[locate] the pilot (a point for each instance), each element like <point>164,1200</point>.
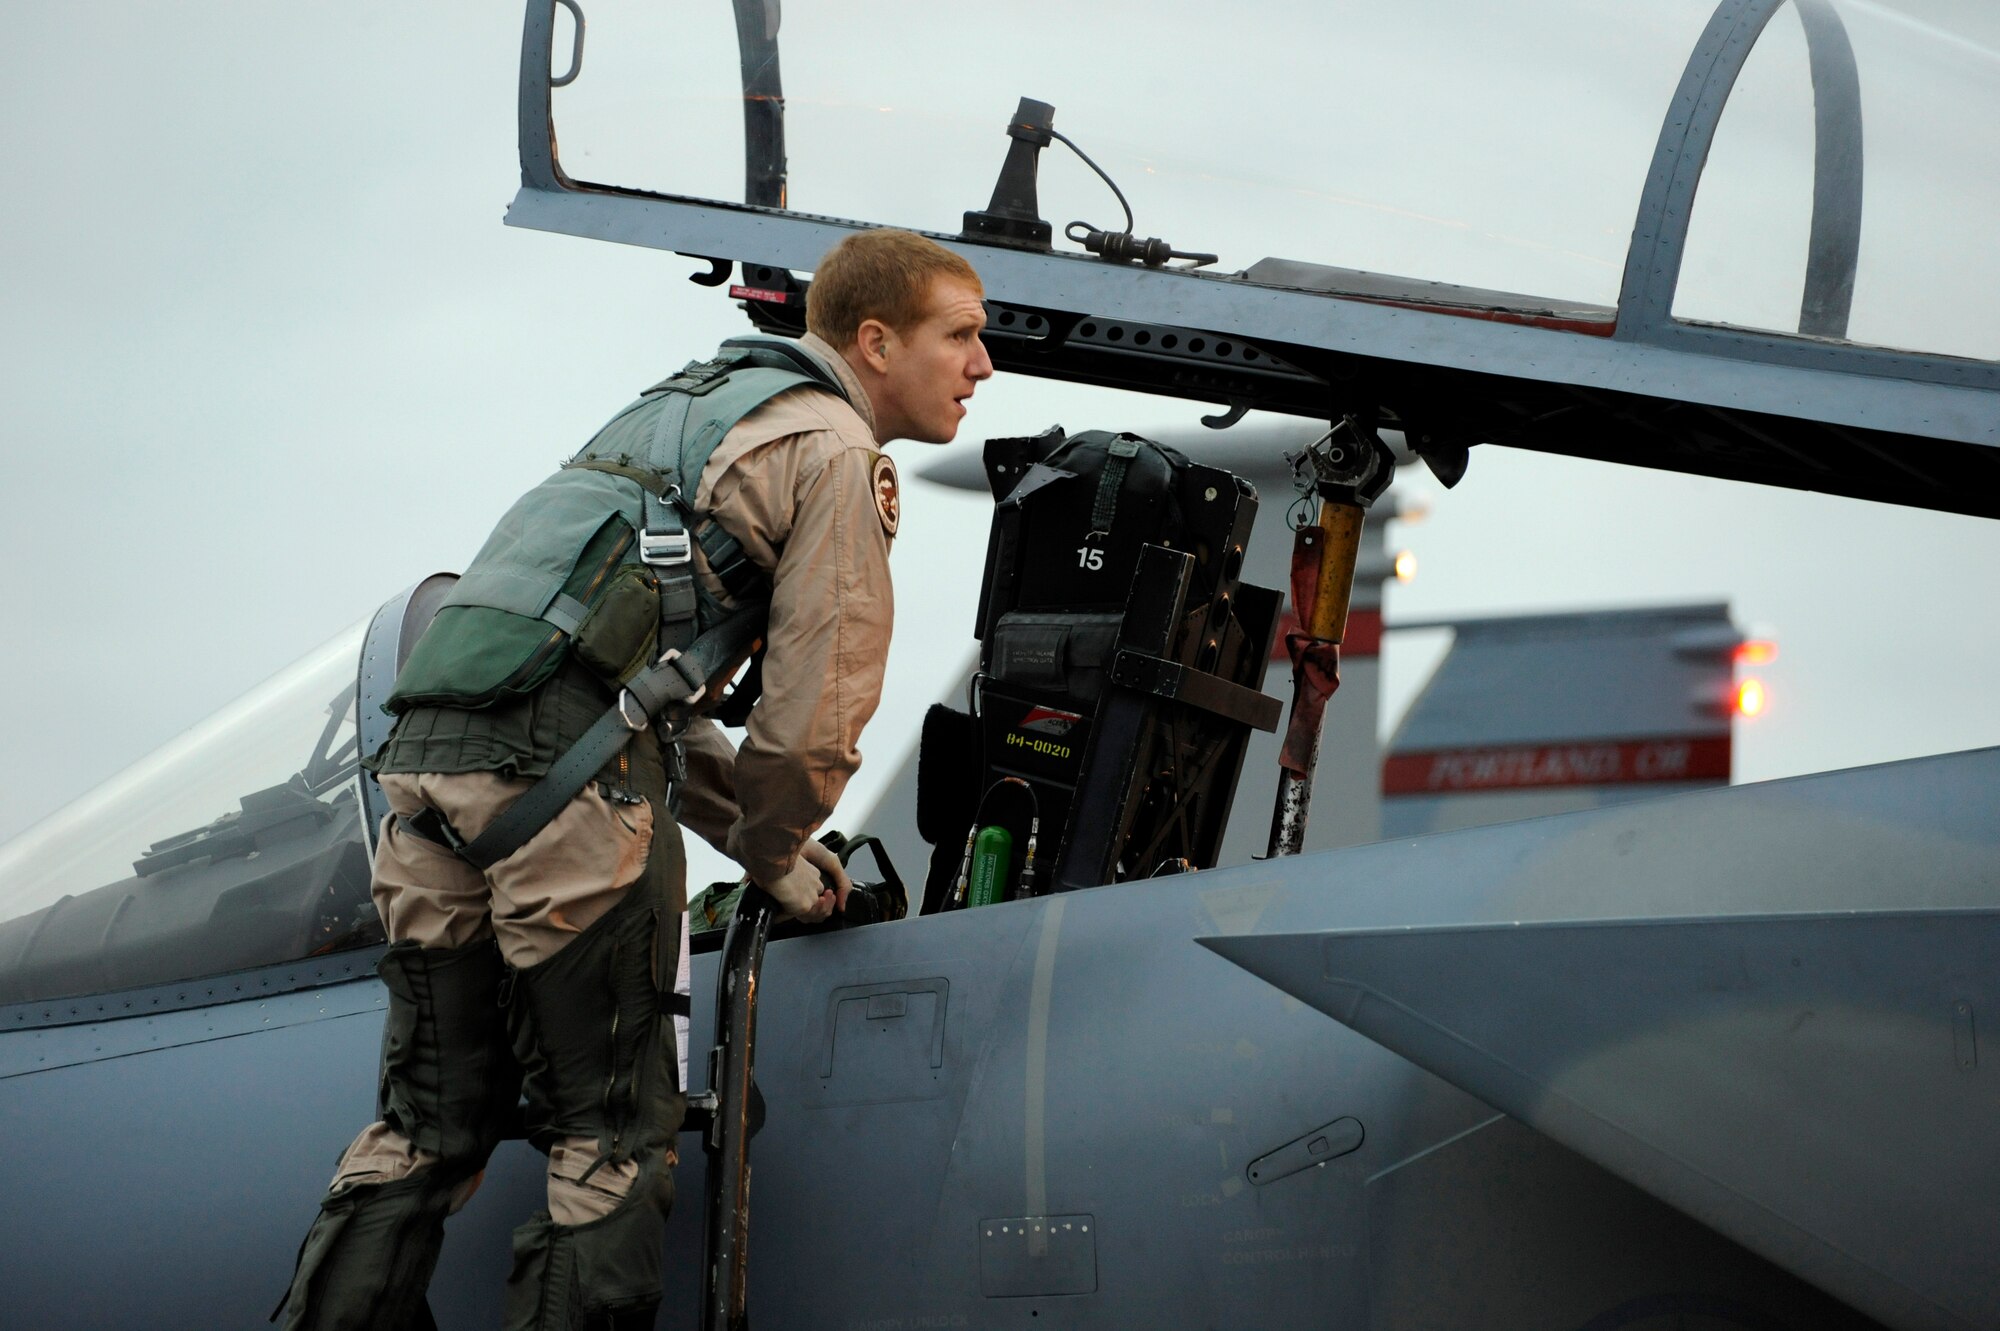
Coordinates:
<point>549,963</point>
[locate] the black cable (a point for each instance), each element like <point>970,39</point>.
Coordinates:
<point>1122,246</point>
<point>1066,142</point>
<point>1027,879</point>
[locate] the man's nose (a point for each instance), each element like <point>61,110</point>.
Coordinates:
<point>982,364</point>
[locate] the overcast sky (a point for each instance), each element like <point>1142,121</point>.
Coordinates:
<point>269,355</point>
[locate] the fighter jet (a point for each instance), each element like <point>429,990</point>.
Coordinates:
<point>1707,1060</point>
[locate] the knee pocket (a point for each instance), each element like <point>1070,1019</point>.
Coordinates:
<point>564,1275</point>
<point>368,1256</point>
<point>584,1186</point>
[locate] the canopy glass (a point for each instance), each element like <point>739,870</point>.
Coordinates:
<point>237,844</point>
<point>1496,147</point>
<point>1925,275</point>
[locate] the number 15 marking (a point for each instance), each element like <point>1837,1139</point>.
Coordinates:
<point>1087,557</point>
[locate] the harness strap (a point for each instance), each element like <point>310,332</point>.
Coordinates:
<point>663,538</point>
<point>566,613</point>
<point>664,544</point>
<point>676,679</point>
<point>734,711</point>
<point>739,574</point>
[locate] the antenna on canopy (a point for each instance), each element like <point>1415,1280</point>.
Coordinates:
<point>1014,217</point>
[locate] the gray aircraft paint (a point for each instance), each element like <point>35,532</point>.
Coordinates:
<point>1759,1003</point>
<point>1165,1074</point>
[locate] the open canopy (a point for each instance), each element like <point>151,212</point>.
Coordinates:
<point>1741,242</point>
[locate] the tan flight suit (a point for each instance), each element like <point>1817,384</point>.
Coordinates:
<point>802,484</point>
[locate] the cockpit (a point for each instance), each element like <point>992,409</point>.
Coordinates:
<point>238,844</point>
<point>243,843</point>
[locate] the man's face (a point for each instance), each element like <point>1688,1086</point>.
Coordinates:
<point>926,371</point>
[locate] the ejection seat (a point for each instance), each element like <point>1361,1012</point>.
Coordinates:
<point>1117,684</point>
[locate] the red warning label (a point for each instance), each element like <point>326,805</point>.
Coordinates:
<point>1048,721</point>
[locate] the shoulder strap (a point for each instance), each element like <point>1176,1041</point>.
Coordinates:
<point>691,426</point>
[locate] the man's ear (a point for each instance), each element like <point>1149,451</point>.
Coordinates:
<point>871,343</point>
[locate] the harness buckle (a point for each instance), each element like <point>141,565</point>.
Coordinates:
<point>665,549</point>
<point>700,686</point>
<point>625,712</point>
<point>630,704</point>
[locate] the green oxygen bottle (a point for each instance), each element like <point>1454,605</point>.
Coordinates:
<point>992,856</point>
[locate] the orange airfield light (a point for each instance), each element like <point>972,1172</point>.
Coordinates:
<point>1756,651</point>
<point>1750,697</point>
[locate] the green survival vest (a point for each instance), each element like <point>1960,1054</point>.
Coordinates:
<point>598,558</point>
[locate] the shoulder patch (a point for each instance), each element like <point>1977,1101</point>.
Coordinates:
<point>888,502</point>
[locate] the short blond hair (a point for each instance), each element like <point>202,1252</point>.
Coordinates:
<point>884,275</point>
